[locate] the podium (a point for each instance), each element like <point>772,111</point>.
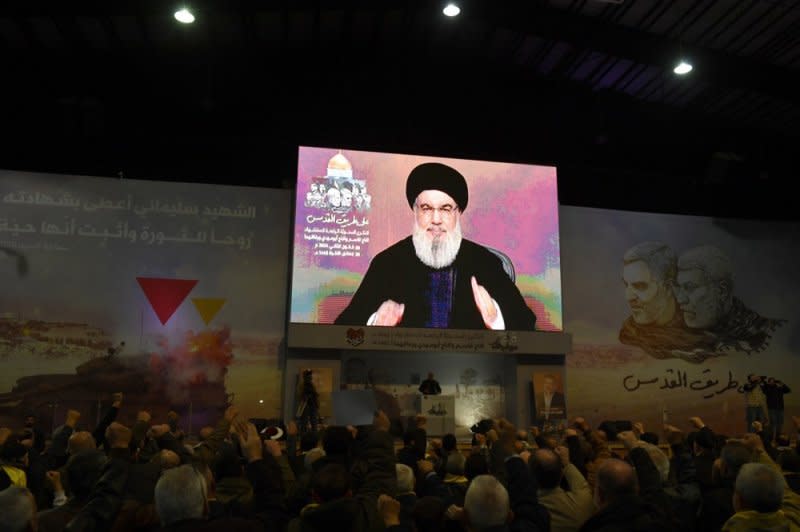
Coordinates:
<point>440,412</point>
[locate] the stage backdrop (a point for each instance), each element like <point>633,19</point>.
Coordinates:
<point>645,349</point>
<point>478,383</point>
<point>170,292</point>
<point>351,205</point>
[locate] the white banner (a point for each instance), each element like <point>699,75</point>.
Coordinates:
<point>310,335</point>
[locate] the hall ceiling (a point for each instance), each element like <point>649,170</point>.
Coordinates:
<point>107,87</point>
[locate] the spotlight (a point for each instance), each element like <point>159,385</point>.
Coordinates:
<point>184,15</point>
<point>451,10</point>
<point>682,68</point>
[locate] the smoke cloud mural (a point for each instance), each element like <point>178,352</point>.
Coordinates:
<point>671,314</point>
<point>168,292</point>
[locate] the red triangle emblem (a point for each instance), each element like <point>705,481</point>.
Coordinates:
<point>165,295</point>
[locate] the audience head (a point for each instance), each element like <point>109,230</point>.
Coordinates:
<point>609,430</point>
<point>308,441</point>
<point>782,440</point>
<point>649,437</point>
<point>206,432</point>
<point>615,479</point>
<point>546,467</point>
<point>486,503</point>
<point>118,435</point>
<point>330,483</point>
<point>428,514</point>
<point>732,457</point>
<point>702,442</point>
<point>409,437</point>
<point>475,465</point>
<point>789,462</point>
<point>337,441</point>
<point>449,442</point>
<point>181,494</point>
<point>83,469</point>
<point>168,459</point>
<point>81,441</point>
<point>405,478</point>
<point>18,510</point>
<point>759,487</point>
<point>14,453</point>
<point>454,464</point>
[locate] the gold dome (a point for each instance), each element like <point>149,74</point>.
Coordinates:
<point>339,162</point>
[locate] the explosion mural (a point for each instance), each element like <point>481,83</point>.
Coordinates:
<point>200,358</point>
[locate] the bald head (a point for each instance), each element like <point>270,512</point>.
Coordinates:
<point>546,466</point>
<point>81,441</point>
<point>206,432</point>
<point>615,479</point>
<point>168,459</point>
<point>18,510</point>
<point>118,436</point>
<point>486,503</point>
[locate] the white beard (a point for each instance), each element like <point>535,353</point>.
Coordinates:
<point>439,252</point>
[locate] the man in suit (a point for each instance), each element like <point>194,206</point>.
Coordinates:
<point>430,386</point>
<point>550,402</point>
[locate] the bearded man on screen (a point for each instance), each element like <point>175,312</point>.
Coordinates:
<point>436,278</point>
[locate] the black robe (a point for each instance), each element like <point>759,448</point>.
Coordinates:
<point>397,274</point>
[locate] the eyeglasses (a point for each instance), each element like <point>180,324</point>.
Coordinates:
<point>446,211</point>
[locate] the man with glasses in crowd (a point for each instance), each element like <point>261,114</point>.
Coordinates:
<point>436,278</point>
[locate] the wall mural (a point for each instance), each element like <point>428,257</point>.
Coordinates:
<point>673,313</point>
<point>157,290</point>
<point>684,307</point>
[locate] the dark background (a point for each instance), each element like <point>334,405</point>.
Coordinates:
<point>121,89</point>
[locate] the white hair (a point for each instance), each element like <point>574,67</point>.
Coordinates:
<point>405,478</point>
<point>760,488</point>
<point>439,252</point>
<point>486,503</point>
<point>180,494</point>
<point>659,459</point>
<point>17,508</point>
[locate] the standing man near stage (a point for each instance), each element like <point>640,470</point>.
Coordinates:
<point>430,386</point>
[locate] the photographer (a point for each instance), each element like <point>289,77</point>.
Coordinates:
<point>775,390</point>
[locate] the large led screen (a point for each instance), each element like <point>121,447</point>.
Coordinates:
<point>428,242</point>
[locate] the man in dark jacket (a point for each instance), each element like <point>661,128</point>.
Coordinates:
<point>82,470</point>
<point>619,506</point>
<point>337,506</point>
<point>775,390</point>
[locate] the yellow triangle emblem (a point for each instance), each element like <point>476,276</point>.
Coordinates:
<point>208,307</point>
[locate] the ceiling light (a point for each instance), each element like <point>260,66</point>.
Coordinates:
<point>451,10</point>
<point>184,15</point>
<point>682,68</point>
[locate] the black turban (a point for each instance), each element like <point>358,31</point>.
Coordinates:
<point>437,176</point>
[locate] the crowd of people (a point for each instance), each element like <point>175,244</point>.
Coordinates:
<point>152,476</point>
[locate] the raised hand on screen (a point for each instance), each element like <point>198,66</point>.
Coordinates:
<point>484,302</point>
<point>389,314</point>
